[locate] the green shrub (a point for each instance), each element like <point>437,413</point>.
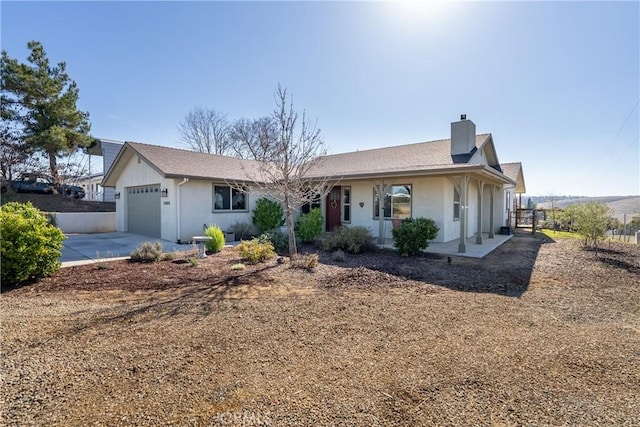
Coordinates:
<point>358,239</point>
<point>280,240</point>
<point>354,240</point>
<point>147,252</point>
<point>256,250</point>
<point>339,256</point>
<point>306,261</point>
<point>267,215</point>
<point>413,235</point>
<point>310,226</point>
<point>169,256</point>
<point>217,239</point>
<point>30,246</point>
<point>592,220</point>
<point>243,230</point>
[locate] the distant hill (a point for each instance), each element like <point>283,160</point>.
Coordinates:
<point>621,205</point>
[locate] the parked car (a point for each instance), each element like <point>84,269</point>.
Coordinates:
<point>32,184</point>
<point>75,191</point>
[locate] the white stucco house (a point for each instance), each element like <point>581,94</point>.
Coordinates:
<point>458,182</point>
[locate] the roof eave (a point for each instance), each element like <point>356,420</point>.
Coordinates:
<point>423,172</point>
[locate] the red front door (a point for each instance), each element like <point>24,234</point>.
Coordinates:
<point>333,208</point>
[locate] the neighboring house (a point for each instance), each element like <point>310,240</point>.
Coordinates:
<point>458,182</point>
<point>92,183</point>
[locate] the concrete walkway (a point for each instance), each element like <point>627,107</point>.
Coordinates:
<point>80,249</point>
<point>473,250</point>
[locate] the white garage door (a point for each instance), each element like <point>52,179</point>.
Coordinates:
<point>143,210</point>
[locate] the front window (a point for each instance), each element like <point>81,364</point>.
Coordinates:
<point>456,204</point>
<point>397,202</point>
<point>346,204</point>
<point>227,198</point>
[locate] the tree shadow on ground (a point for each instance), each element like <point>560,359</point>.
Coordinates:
<point>615,258</point>
<point>188,297</point>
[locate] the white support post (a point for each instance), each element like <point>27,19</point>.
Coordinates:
<point>480,199</point>
<point>462,247</point>
<point>492,226</point>
<point>381,190</point>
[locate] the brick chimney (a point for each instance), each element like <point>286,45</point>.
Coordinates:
<point>463,136</point>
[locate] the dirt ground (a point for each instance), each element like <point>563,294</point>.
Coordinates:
<point>536,333</point>
<point>59,203</point>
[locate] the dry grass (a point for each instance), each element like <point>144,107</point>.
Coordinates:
<point>554,339</point>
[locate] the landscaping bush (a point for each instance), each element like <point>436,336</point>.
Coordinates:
<point>147,252</point>
<point>169,256</point>
<point>354,240</point>
<point>267,215</point>
<point>30,246</point>
<point>310,226</point>
<point>413,235</point>
<point>280,241</point>
<point>339,256</point>
<point>256,250</point>
<point>592,220</point>
<point>358,239</point>
<point>306,261</point>
<point>217,239</point>
<point>243,230</point>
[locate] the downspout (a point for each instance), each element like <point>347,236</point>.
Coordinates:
<point>184,181</point>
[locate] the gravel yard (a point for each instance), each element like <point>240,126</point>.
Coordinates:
<point>536,333</point>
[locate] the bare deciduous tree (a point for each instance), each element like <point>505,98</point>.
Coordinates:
<point>206,131</point>
<point>552,199</point>
<point>14,152</point>
<point>287,151</point>
<point>252,138</point>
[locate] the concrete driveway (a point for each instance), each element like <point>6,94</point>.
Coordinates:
<point>83,248</point>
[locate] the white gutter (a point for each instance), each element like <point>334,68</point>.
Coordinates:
<point>184,181</point>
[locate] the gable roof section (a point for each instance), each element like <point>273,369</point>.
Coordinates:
<point>429,155</point>
<point>514,172</point>
<point>177,163</point>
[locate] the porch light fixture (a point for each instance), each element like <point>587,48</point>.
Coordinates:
<point>164,192</point>
<point>117,195</point>
<point>361,204</point>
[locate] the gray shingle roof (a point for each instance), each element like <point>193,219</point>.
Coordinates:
<point>514,171</point>
<point>409,158</point>
<point>174,162</point>
<point>419,156</point>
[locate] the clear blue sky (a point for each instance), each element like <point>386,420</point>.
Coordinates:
<point>557,84</point>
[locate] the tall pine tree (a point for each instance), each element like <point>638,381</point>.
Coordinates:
<point>42,99</point>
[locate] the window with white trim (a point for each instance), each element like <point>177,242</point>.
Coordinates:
<point>226,198</point>
<point>346,204</point>
<point>397,202</point>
